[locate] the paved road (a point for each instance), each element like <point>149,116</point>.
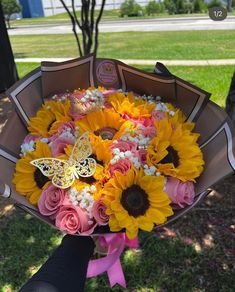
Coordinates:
<point>162,24</point>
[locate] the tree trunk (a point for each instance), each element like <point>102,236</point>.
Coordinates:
<point>87,23</point>
<point>8,22</point>
<point>230,100</point>
<point>8,71</point>
<point>229,5</point>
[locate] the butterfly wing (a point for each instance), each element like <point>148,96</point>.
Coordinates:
<point>49,166</point>
<point>64,178</point>
<point>60,171</point>
<point>82,148</point>
<point>86,167</point>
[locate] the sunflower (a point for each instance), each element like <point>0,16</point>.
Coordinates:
<point>28,179</point>
<point>128,105</point>
<point>104,126</point>
<point>175,152</point>
<point>136,201</point>
<point>49,117</point>
<point>179,118</point>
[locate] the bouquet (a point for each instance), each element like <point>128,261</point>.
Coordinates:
<point>95,157</point>
<point>95,146</point>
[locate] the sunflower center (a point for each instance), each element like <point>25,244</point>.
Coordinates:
<point>171,157</point>
<point>135,200</point>
<point>106,133</point>
<point>88,180</point>
<point>40,179</point>
<point>98,161</point>
<point>51,123</point>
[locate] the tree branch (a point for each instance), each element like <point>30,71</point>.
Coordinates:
<point>73,26</point>
<point>92,17</point>
<point>87,24</point>
<point>96,26</point>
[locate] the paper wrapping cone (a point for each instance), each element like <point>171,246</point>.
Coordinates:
<point>215,128</point>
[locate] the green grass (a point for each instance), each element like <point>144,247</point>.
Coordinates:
<point>177,259</point>
<point>214,79</point>
<point>190,45</point>
<point>25,243</point>
<point>62,18</point>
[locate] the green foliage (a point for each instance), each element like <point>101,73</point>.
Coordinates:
<point>184,45</point>
<point>199,6</point>
<point>215,3</point>
<point>170,6</point>
<point>10,7</point>
<point>130,8</point>
<point>181,6</point>
<point>154,7</point>
<point>185,6</point>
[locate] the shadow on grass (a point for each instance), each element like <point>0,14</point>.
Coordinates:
<point>20,55</point>
<point>25,243</point>
<point>169,264</point>
<point>194,254</point>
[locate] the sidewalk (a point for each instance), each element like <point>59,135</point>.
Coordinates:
<point>142,62</point>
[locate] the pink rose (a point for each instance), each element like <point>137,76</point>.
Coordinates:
<point>107,104</point>
<point>122,166</point>
<point>62,130</point>
<point>72,219</point>
<point>67,125</point>
<point>124,146</point>
<point>107,92</point>
<point>59,144</point>
<point>146,122</point>
<point>77,95</point>
<point>30,138</point>
<point>50,201</point>
<point>149,132</point>
<point>77,111</point>
<point>159,115</point>
<point>143,156</point>
<point>180,193</point>
<point>99,214</point>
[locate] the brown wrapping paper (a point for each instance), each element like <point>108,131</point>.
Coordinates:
<point>217,140</point>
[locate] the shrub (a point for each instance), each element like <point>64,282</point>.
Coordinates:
<point>170,6</point>
<point>215,3</point>
<point>199,6</point>
<point>130,8</point>
<point>10,7</point>
<point>154,7</point>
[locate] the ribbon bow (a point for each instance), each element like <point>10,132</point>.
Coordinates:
<point>114,244</point>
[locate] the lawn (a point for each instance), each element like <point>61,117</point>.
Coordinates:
<point>215,79</point>
<point>195,254</point>
<point>183,45</point>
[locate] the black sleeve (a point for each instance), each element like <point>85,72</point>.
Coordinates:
<point>66,269</point>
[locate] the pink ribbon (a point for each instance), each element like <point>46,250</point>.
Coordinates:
<point>115,244</point>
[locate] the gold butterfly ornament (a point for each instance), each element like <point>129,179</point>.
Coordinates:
<point>64,172</point>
